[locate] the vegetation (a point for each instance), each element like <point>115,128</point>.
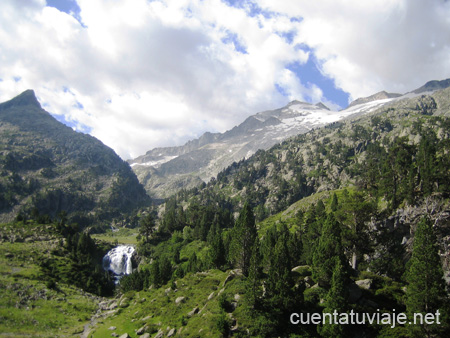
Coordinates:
<point>321,222</point>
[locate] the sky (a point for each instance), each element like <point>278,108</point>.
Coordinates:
<point>140,74</point>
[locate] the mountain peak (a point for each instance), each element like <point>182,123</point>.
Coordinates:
<point>27,98</point>
<point>375,97</point>
<point>432,86</point>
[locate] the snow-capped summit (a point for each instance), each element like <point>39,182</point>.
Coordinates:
<point>165,170</point>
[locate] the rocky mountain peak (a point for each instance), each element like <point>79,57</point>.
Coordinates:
<point>432,86</point>
<point>27,98</point>
<point>375,97</point>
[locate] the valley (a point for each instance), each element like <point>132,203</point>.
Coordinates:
<point>350,213</point>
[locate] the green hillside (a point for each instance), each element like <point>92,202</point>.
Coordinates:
<point>353,218</point>
<point>47,166</point>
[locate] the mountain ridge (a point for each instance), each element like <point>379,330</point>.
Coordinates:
<point>163,171</point>
<point>49,166</point>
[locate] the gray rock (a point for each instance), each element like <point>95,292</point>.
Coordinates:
<point>124,302</point>
<point>171,332</point>
<point>142,330</point>
<point>125,335</point>
<point>364,283</point>
<point>112,328</point>
<point>180,300</point>
<point>211,296</point>
<point>146,335</point>
<point>159,334</point>
<point>193,312</point>
<point>112,306</point>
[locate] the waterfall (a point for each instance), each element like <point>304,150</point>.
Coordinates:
<point>118,260</point>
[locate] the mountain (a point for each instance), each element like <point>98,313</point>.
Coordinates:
<point>431,86</point>
<point>375,97</point>
<point>339,213</point>
<point>49,167</point>
<point>164,171</point>
<point>352,217</point>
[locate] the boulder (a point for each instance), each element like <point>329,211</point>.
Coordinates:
<point>125,335</point>
<point>142,330</point>
<point>364,283</point>
<point>180,300</point>
<point>171,332</point>
<point>193,312</point>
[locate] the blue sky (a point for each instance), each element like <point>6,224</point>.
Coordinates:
<point>142,74</point>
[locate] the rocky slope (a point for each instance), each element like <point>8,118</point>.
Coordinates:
<point>46,165</point>
<point>164,171</point>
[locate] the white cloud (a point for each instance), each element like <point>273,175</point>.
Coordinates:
<point>139,74</point>
<point>368,46</point>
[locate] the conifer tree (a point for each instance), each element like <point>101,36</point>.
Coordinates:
<point>244,236</point>
<point>336,299</point>
<point>253,280</point>
<point>217,250</point>
<point>328,248</point>
<point>334,203</point>
<point>279,281</point>
<point>147,225</point>
<point>426,288</point>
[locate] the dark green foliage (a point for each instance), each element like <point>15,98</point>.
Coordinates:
<point>426,289</point>
<point>254,291</point>
<point>329,249</point>
<point>223,324</point>
<point>244,236</point>
<point>47,165</point>
<point>356,209</point>
<point>147,226</point>
<point>79,263</point>
<point>217,251</point>
<point>336,300</point>
<point>136,281</point>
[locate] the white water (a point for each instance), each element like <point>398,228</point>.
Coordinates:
<point>118,260</point>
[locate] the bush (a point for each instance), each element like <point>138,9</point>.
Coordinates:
<point>223,324</point>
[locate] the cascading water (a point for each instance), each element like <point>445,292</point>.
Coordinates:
<point>118,260</point>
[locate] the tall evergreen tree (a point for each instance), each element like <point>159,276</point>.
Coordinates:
<point>426,288</point>
<point>217,250</point>
<point>336,299</point>
<point>147,225</point>
<point>254,275</point>
<point>244,236</point>
<point>328,248</point>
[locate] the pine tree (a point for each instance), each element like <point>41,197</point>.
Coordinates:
<point>328,248</point>
<point>253,280</point>
<point>334,203</point>
<point>336,300</point>
<point>426,288</point>
<point>147,226</point>
<point>217,250</point>
<point>279,282</point>
<point>244,236</point>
